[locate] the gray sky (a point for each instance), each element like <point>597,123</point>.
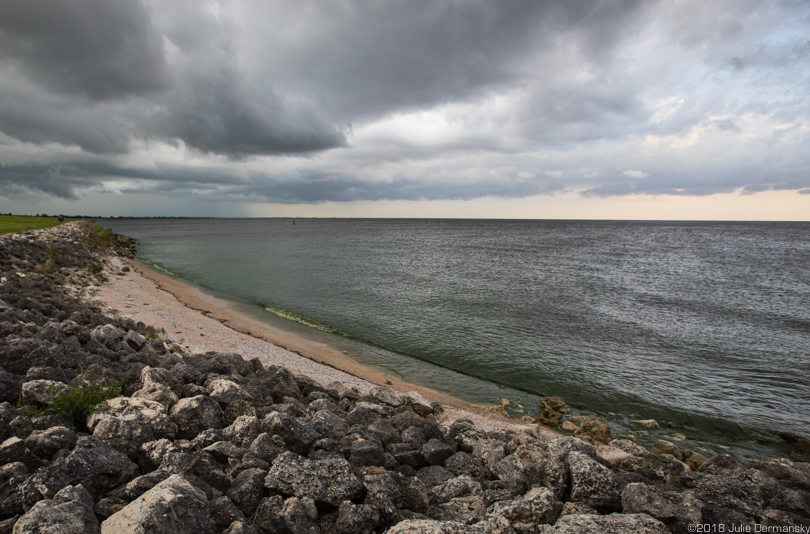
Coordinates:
<point>408,108</point>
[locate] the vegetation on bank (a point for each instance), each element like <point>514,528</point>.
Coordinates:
<point>22,223</point>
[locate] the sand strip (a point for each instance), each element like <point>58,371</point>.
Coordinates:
<point>202,322</point>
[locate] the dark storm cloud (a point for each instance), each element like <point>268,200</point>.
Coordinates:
<point>574,85</point>
<point>366,59</point>
<point>97,48</point>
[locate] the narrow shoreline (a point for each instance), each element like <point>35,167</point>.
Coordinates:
<point>203,322</point>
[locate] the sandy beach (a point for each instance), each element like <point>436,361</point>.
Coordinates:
<point>203,323</point>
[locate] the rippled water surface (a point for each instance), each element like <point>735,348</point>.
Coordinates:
<point>703,326</point>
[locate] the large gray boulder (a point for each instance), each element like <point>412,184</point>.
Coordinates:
<point>10,387</point>
<point>46,443</point>
<point>139,412</point>
<point>298,437</point>
<point>328,481</point>
<point>42,392</point>
<point>195,414</point>
<point>678,511</point>
<point>594,484</point>
<point>93,464</point>
<point>601,524</point>
<point>173,506</point>
<point>537,507</point>
<point>70,512</point>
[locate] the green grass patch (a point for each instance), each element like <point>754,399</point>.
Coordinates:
<point>94,269</point>
<point>82,400</point>
<point>98,236</point>
<point>21,223</point>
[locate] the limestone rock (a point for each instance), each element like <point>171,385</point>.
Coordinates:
<point>227,391</point>
<point>663,446</point>
<point>42,392</point>
<point>613,523</point>
<point>173,506</point>
<point>329,481</point>
<point>593,431</point>
<point>549,417</point>
<point>555,403</point>
<point>297,436</point>
<point>676,510</point>
<point>93,464</point>
<point>195,414</point>
<point>594,484</point>
<point>538,506</point>
<point>140,412</point>
<point>46,443</point>
<point>70,512</point>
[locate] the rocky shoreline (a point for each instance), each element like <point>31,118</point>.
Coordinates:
<point>210,443</point>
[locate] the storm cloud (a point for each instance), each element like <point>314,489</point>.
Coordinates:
<point>318,101</point>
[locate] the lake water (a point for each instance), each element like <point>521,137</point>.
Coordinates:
<point>703,326</point>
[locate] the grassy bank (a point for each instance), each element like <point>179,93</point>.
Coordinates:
<point>21,223</point>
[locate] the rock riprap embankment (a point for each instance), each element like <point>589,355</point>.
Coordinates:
<point>210,443</point>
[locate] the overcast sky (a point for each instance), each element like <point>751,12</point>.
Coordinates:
<point>504,108</point>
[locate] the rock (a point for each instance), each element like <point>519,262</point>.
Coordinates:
<point>42,392</point>
<point>240,527</point>
<point>139,412</point>
<point>11,476</point>
<point>646,423</point>
<point>663,446</point>
<point>328,481</point>
<point>227,391</point>
<point>124,435</point>
<point>594,484</point>
<point>460,486</point>
<point>436,452</point>
<point>387,396</point>
<point>70,512</point>
<point>14,450</point>
<point>224,513</point>
<point>555,403</point>
<point>157,393</point>
<point>678,511</point>
<point>569,426</point>
<point>46,443</point>
<point>152,454</point>
<point>297,436</point>
<point>195,414</point>
<point>549,417</point>
<point>93,464</point>
<point>613,524</point>
<point>593,431</point>
<point>538,506</point>
<point>356,519</point>
<point>247,490</point>
<point>134,340</point>
<point>801,450</point>
<point>418,404</point>
<point>328,423</point>
<point>693,459</point>
<point>108,336</point>
<point>10,387</point>
<point>366,452</point>
<point>140,485</point>
<point>294,516</point>
<point>173,506</point>
<point>430,526</point>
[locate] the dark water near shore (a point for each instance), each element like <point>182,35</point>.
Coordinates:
<point>703,326</point>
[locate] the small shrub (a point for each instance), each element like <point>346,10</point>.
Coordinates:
<point>94,269</point>
<point>82,400</point>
